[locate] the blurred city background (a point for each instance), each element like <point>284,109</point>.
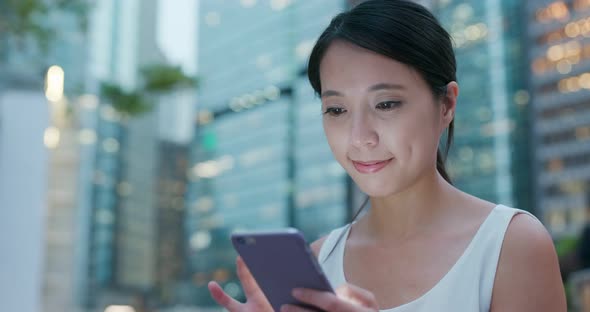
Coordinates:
<point>135,135</point>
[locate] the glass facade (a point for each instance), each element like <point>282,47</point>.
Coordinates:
<point>560,73</point>
<point>125,241</point>
<point>170,244</point>
<point>137,221</point>
<point>104,202</point>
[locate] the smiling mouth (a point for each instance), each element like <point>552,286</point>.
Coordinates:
<point>370,166</point>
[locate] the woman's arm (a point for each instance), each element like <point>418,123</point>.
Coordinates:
<point>528,277</point>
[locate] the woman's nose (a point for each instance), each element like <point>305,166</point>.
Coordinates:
<point>363,134</point>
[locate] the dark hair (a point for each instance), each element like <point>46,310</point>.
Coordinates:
<point>404,31</point>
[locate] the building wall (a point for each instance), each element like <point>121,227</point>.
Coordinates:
<point>24,117</point>
<point>23,68</point>
<point>60,235</point>
<point>136,214</point>
<point>114,35</point>
<point>559,83</point>
<point>125,228</point>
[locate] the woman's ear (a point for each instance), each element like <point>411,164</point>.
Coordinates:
<point>449,103</point>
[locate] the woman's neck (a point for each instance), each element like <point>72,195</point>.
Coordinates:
<point>412,211</point>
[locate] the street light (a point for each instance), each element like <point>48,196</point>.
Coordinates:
<point>119,308</point>
<point>54,83</point>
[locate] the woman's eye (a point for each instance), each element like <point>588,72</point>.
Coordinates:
<point>334,111</point>
<point>388,105</point>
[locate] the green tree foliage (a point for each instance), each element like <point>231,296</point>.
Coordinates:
<point>158,78</point>
<point>162,77</point>
<point>127,102</point>
<point>22,20</point>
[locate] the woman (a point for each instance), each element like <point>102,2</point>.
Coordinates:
<point>385,72</point>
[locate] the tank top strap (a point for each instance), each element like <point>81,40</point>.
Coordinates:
<point>332,253</point>
<point>331,241</point>
<point>488,248</point>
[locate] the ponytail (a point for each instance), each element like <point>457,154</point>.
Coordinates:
<point>440,157</point>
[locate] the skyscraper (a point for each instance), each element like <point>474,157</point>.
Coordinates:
<point>560,82</point>
<point>133,172</point>
<point>23,189</point>
<point>38,179</point>
<point>120,260</point>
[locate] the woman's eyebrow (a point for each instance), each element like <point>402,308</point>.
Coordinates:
<point>386,86</point>
<point>373,88</point>
<point>329,93</point>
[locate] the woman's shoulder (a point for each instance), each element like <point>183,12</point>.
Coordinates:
<point>528,269</point>
<point>316,246</point>
<point>526,236</point>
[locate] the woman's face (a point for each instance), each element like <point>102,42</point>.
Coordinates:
<point>380,118</point>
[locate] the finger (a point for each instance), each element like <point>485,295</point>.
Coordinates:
<point>251,288</point>
<point>294,308</point>
<point>222,298</point>
<point>357,295</point>
<point>322,299</point>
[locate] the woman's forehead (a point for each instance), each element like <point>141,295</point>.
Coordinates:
<point>347,64</point>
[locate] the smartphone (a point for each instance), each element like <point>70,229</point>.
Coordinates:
<point>280,261</point>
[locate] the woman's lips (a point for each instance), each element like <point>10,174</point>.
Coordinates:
<point>370,166</point>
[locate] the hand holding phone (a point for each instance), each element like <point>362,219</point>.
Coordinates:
<point>280,261</point>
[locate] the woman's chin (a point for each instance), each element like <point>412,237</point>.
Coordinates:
<point>377,190</point>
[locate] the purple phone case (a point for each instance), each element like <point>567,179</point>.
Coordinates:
<point>280,261</point>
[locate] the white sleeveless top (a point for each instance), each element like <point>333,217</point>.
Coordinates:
<point>467,286</point>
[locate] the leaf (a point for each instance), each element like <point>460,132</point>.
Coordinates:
<point>162,77</point>
<point>129,103</point>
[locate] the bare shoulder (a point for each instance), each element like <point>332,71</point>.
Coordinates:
<point>528,277</point>
<point>317,245</point>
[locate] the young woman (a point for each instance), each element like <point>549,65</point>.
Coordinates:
<point>385,72</point>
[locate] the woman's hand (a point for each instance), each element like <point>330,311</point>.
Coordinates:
<point>348,298</point>
<point>255,299</point>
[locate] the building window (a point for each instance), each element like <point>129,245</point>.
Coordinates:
<point>565,110</point>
